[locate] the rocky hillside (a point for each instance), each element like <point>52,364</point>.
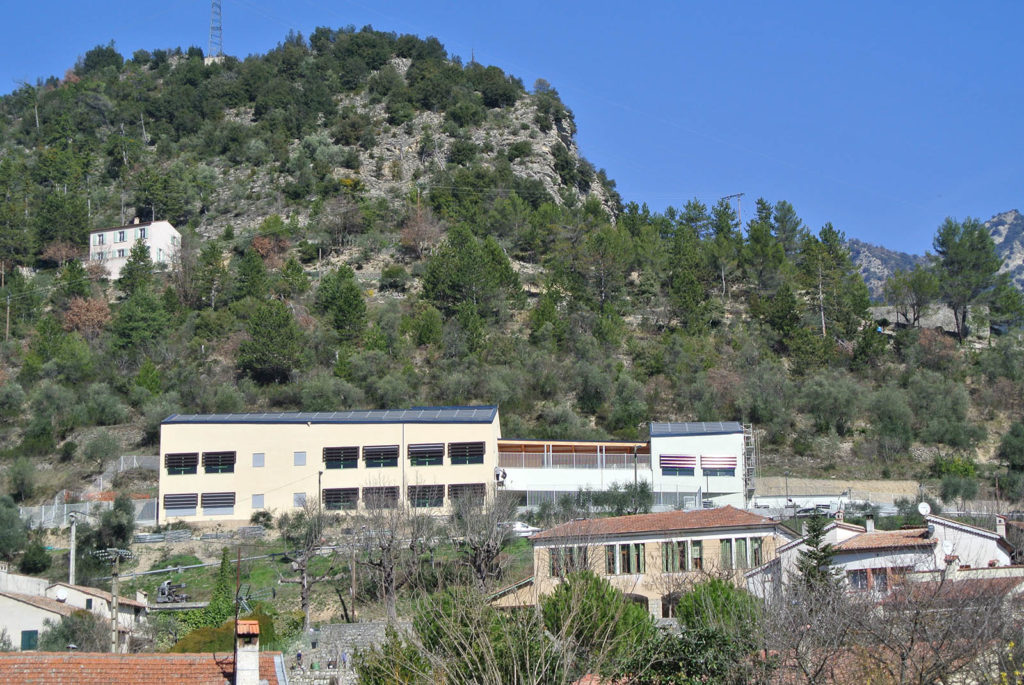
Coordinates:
<point>877,263</point>
<point>1007,231</point>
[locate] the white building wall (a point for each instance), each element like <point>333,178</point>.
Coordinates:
<point>972,547</point>
<point>15,582</point>
<point>111,246</point>
<point>16,617</point>
<point>571,480</point>
<point>722,490</point>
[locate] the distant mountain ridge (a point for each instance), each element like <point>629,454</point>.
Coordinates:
<point>877,263</point>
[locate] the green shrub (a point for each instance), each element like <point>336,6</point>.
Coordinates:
<point>35,559</point>
<point>394,277</point>
<point>21,477</point>
<point>102,448</point>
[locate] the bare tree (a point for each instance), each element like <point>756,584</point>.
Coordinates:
<point>475,528</point>
<point>304,532</point>
<point>379,530</point>
<point>421,231</point>
<point>88,316</point>
<point>340,218</point>
<point>184,270</point>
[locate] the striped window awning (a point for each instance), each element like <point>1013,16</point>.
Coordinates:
<point>678,461</point>
<point>713,462</point>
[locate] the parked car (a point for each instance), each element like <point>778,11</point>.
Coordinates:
<point>520,529</point>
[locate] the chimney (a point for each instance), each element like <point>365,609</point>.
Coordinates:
<point>1001,526</point>
<point>247,653</point>
<point>136,220</point>
<point>840,515</point>
<point>869,523</point>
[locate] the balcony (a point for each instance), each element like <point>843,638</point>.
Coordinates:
<point>590,455</point>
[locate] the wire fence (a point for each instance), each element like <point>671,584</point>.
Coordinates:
<point>58,515</point>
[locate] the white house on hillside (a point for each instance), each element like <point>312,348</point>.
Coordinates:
<point>875,560</point>
<point>111,246</point>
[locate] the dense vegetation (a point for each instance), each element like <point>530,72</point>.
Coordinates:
<point>488,263</point>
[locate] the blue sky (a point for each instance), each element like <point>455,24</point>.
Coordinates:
<point>880,117</point>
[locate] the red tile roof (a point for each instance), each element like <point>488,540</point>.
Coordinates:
<point>45,603</point>
<point>248,627</point>
<point>138,669</point>
<point>913,538</point>
<point>102,594</point>
<point>664,522</point>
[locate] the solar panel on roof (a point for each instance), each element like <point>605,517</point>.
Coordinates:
<point>483,414</point>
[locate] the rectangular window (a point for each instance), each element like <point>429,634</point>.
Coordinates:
<point>380,456</point>
<point>341,457</point>
<point>381,497</point>
<point>120,253</point>
<point>431,454</point>
<point>257,502</point>
<point>183,504</point>
<point>88,604</point>
<point>219,462</point>
<point>298,499</point>
<point>564,560</point>
<point>696,556</point>
<point>181,464</point>
<point>120,237</point>
<point>421,496</point>
<point>609,559</point>
<point>631,558</point>
<point>670,557</point>
<point>676,471</point>
<point>466,452</point>
<point>725,555</point>
<point>259,460</point>
<point>218,503</point>
<point>719,472</point>
<point>858,579</point>
<point>100,238</point>
<point>338,499</point>
<point>142,232</point>
<point>741,553</point>
<point>757,551</point>
<point>880,579</point>
<point>300,459</point>
<point>471,493</point>
<point>29,640</point>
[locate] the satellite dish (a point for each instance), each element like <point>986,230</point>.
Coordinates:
<point>947,547</point>
<point>924,508</point>
<point>62,595</point>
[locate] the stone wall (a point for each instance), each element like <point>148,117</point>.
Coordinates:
<point>327,652</point>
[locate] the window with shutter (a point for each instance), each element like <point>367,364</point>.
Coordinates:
<point>425,496</point>
<point>218,503</point>
<point>381,497</point>
<point>219,462</point>
<point>471,493</point>
<point>430,454</point>
<point>466,452</point>
<point>337,499</point>
<point>341,457</point>
<point>183,504</point>
<point>380,456</point>
<point>181,464</point>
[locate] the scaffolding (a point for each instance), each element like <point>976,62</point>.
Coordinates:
<point>749,462</point>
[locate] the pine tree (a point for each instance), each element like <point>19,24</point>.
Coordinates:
<point>967,267</point>
<point>341,298</point>
<point>222,599</point>
<point>815,561</point>
<point>137,273</point>
<point>274,347</point>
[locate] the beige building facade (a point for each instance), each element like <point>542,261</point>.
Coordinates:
<point>652,558</point>
<point>224,467</point>
<point>111,247</point>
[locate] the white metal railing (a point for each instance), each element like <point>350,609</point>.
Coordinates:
<point>572,460</point>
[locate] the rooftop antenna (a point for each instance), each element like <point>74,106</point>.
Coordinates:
<point>216,46</point>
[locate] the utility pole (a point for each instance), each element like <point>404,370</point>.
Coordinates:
<point>71,559</point>
<point>7,322</point>
<point>115,555</point>
<point>739,209</point>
